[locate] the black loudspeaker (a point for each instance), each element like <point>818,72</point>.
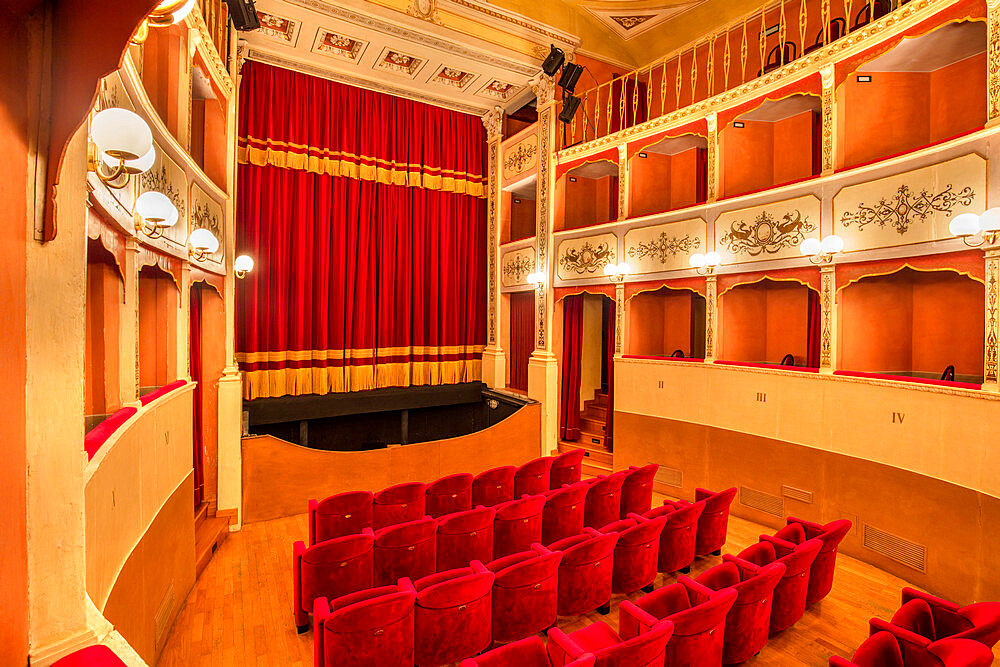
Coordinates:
<point>553,61</point>
<point>570,104</point>
<point>244,14</point>
<point>570,75</point>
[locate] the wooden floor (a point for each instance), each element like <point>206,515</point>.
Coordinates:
<point>240,611</point>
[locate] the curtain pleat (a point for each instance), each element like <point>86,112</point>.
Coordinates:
<point>522,337</point>
<point>610,352</point>
<point>569,412</point>
<point>196,376</point>
<point>813,335</point>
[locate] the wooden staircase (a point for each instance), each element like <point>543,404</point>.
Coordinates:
<point>597,458</point>
<point>209,533</point>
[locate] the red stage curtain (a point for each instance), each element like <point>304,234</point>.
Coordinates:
<point>569,404</point>
<point>360,282</point>
<point>813,335</point>
<point>194,342</point>
<point>522,337</point>
<point>609,421</point>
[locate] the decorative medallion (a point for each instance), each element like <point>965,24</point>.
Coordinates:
<point>629,22</point>
<point>516,266</point>
<point>456,78</point>
<point>663,247</point>
<point>279,28</point>
<point>398,63</point>
<point>905,208</point>
<point>424,9</point>
<point>767,235</point>
<point>522,157</point>
<point>498,90</point>
<point>339,46</point>
<point>579,258</point>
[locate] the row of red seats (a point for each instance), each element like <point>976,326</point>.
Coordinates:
<point>927,631</point>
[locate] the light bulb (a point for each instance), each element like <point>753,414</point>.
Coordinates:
<point>204,241</point>
<point>990,220</point>
<point>243,263</point>
<point>610,269</point>
<point>832,244</point>
<point>697,260</point>
<point>156,208</point>
<point>121,133</point>
<point>966,224</point>
<point>811,247</point>
<point>713,259</point>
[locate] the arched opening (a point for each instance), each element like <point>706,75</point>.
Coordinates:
<point>913,323</point>
<point>668,175</point>
<point>667,322</point>
<point>518,210</point>
<point>207,362</point>
<point>587,386</point>
<point>766,321</point>
<point>105,292</point>
<point>587,195</point>
<point>157,329</point>
<point>521,307</point>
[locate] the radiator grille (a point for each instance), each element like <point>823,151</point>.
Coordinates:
<point>901,550</point>
<point>797,494</point>
<point>161,621</point>
<point>669,476</point>
<point>765,502</point>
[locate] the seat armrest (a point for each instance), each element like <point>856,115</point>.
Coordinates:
<point>406,584</point>
<point>321,610</point>
<point>961,652</point>
<point>562,649</point>
<point>901,634</point>
<point>747,569</point>
<point>540,549</point>
<point>781,547</point>
<point>631,619</point>
<point>313,506</point>
<point>933,601</point>
<point>837,661</point>
<point>298,550</point>
<point>477,567</point>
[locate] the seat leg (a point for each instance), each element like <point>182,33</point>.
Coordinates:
<point>686,570</point>
<point>605,608</point>
<point>302,629</point>
<point>717,552</point>
<point>648,589</point>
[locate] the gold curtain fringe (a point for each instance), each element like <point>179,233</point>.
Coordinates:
<point>387,174</point>
<point>298,381</point>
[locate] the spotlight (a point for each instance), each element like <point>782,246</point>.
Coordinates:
<point>570,104</point>
<point>554,60</point>
<point>570,75</point>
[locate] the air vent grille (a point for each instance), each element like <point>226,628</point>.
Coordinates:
<point>765,502</point>
<point>669,476</point>
<point>161,621</point>
<point>797,494</point>
<point>904,551</point>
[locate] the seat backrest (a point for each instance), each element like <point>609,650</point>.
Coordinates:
<point>567,468</point>
<point>449,495</point>
<point>529,571</point>
<point>801,558</point>
<point>952,652</point>
<point>406,534</point>
<point>645,649</point>
<point>342,514</point>
<point>716,502</point>
<point>708,608</point>
<point>646,532</point>
<point>494,486</point>
<point>755,588</point>
<point>337,567</point>
<point>522,508</point>
<point>984,617</point>
<point>680,516</point>
<point>533,476</point>
<point>372,613</point>
<point>916,616</point>
<point>461,523</point>
<point>399,504</point>
<point>637,489</point>
<point>879,650</point>
<point>573,494</point>
<point>591,550</point>
<point>455,592</point>
<point>759,554</point>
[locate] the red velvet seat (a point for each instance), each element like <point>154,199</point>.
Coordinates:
<point>399,504</point>
<point>518,525</point>
<point>330,569</point>
<point>604,499</point>
<point>463,537</point>
<point>713,524</point>
<point>405,550</point>
<point>533,477</point>
<point>637,490</point>
<point>882,650</point>
<point>369,627</point>
<point>585,572</point>
<point>493,486</point>
<point>525,593</point>
<point>821,574</point>
<point>677,540</point>
<point>562,515</point>
<point>609,648</point>
<point>698,614</point>
<point>567,468</point>
<point>748,621</point>
<point>453,610</point>
<point>449,495</point>
<point>789,601</point>
<point>343,514</point>
<point>636,553</point>
<point>924,618</point>
<point>94,656</point>
<point>530,652</point>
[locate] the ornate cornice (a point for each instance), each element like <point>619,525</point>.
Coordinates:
<point>208,49</point>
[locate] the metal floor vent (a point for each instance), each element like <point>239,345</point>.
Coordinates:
<point>161,621</point>
<point>897,548</point>
<point>797,494</point>
<point>669,476</point>
<point>765,502</point>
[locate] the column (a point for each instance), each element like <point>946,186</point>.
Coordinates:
<point>624,187</point>
<point>829,119</point>
<point>619,319</point>
<point>128,360</point>
<point>712,327</point>
<point>992,62</point>
<point>992,314</point>
<point>713,156</point>
<point>184,323</point>
<point>828,318</point>
<point>494,363</point>
<point>543,371</point>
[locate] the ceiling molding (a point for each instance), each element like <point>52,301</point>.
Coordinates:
<point>628,20</point>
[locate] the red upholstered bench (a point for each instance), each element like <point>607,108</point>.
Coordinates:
<point>92,656</point>
<point>165,389</point>
<point>98,435</point>
<point>662,358</point>
<point>907,378</point>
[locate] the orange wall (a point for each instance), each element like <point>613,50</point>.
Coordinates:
<point>522,218</point>
<point>913,322</point>
<point>646,183</point>
<point>661,322</point>
<point>587,201</point>
<point>13,340</point>
<point>747,157</point>
<point>958,98</point>
<point>161,65</point>
<point>765,321</point>
<point>213,360</point>
<point>684,179</point>
<point>104,296</point>
<point>886,116</point>
<point>793,148</point>
<point>157,328</point>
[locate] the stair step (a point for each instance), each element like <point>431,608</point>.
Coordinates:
<point>207,537</point>
<point>591,425</point>
<point>600,398</point>
<point>200,514</point>
<point>592,453</point>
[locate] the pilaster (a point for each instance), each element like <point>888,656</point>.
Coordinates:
<point>713,156</point>
<point>128,335</point>
<point>619,319</point>
<point>992,315</point>
<point>712,318</point>
<point>992,63</point>
<point>183,341</point>
<point>829,119</point>
<point>828,318</point>
<point>624,184</point>
<point>494,363</point>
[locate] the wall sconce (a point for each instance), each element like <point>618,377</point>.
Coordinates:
<point>536,278</point>
<point>705,264</point>
<point>202,243</point>
<point>154,212</point>
<point>617,272</point>
<point>968,225</point>
<point>822,252</point>
<point>166,13</point>
<point>242,265</point>
<point>121,146</point>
